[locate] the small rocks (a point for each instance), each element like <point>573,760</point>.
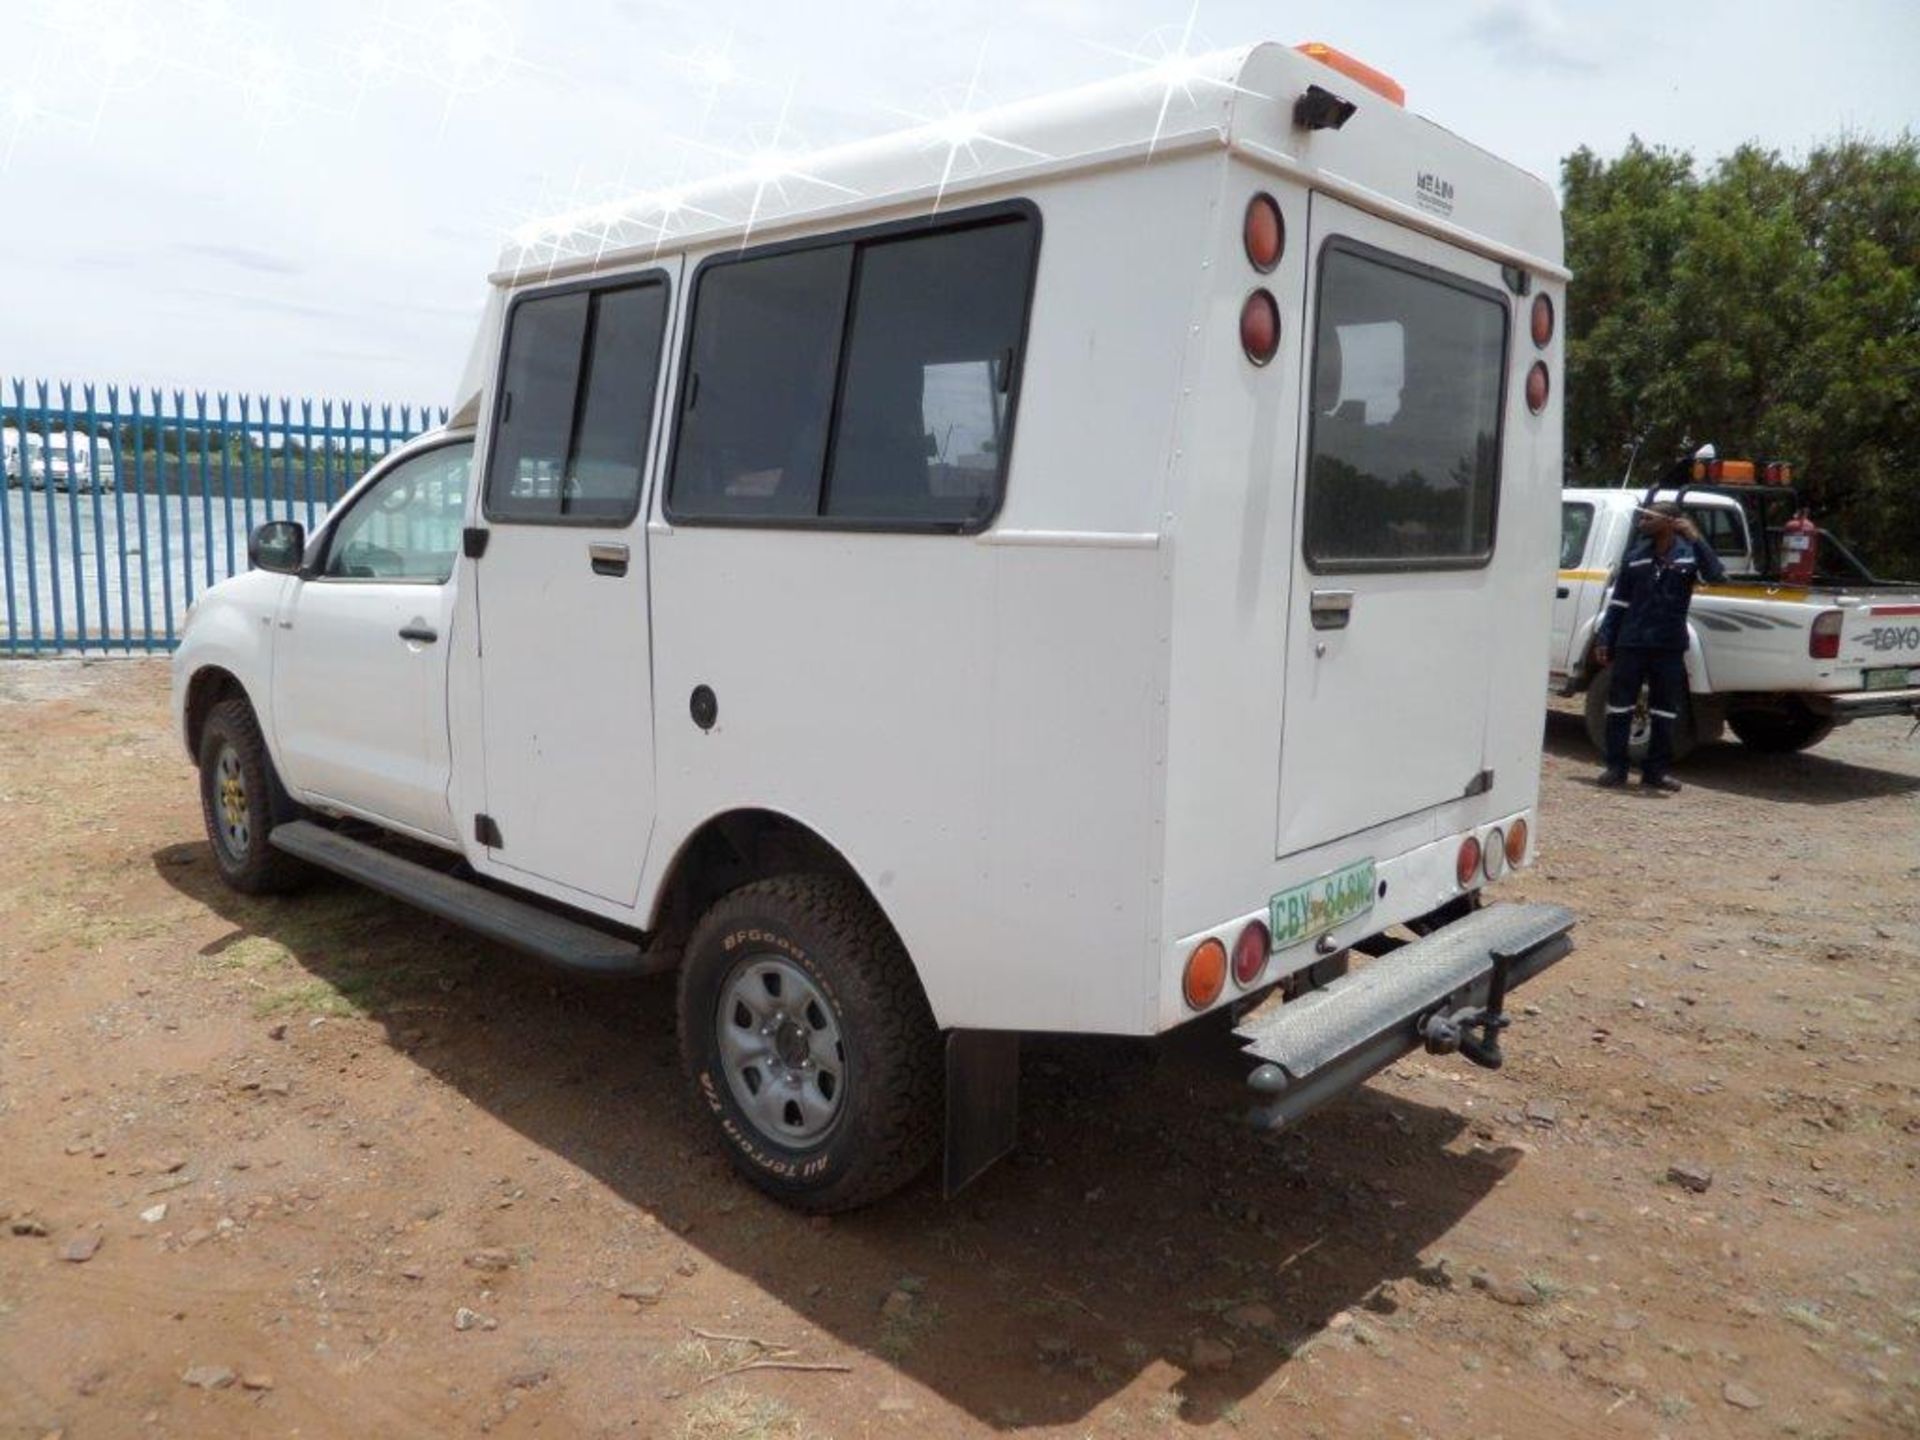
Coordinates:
<point>897,1306</point>
<point>1689,1176</point>
<point>526,1379</point>
<point>1210,1356</point>
<point>645,1292</point>
<point>1505,1291</point>
<point>81,1248</point>
<point>256,1380</point>
<point>209,1377</point>
<point>465,1319</point>
<point>278,1031</point>
<point>1739,1396</point>
<point>1543,1113</point>
<point>154,1214</point>
<point>491,1259</point>
<point>1251,1316</point>
<point>27,1225</point>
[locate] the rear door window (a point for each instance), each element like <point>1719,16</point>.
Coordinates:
<point>1409,368</point>
<point>860,383</point>
<point>1725,530</point>
<point>576,405</point>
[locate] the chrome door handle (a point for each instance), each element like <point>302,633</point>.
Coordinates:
<point>1330,609</point>
<point>425,635</point>
<point>607,558</point>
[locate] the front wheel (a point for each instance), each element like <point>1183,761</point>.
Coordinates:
<point>1686,730</point>
<point>241,800</point>
<point>1777,732</point>
<point>809,1041</point>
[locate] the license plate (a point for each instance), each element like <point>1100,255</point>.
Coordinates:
<point>1319,905</point>
<point>1890,679</point>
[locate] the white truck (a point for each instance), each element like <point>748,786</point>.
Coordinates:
<point>1778,663</point>
<point>963,585</point>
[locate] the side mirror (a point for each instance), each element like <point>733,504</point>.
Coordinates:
<point>277,546</point>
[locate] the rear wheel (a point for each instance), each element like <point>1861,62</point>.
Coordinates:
<point>1775,732</point>
<point>241,800</point>
<point>809,1041</point>
<point>1686,732</point>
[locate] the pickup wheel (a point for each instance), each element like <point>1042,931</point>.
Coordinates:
<point>241,800</point>
<point>808,1039</point>
<point>1686,729</point>
<point>1776,732</point>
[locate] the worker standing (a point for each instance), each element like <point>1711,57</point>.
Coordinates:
<point>1643,637</point>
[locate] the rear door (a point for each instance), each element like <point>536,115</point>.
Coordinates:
<point>565,654</point>
<point>1390,635</point>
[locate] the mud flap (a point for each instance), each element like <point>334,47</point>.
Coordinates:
<point>1315,1049</point>
<point>983,1103</point>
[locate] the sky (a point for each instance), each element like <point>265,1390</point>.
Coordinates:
<point>290,198</point>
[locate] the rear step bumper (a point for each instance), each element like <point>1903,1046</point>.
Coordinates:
<point>1315,1049</point>
<point>1864,704</point>
<point>486,912</point>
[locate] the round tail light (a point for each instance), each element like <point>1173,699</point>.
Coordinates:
<point>1260,327</point>
<point>1250,953</point>
<point>1264,233</point>
<point>1542,320</point>
<point>1466,864</point>
<point>1537,386</point>
<point>1517,842</point>
<point>1493,855</point>
<point>1206,974</point>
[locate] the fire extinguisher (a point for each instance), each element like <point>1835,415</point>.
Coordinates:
<point>1798,546</point>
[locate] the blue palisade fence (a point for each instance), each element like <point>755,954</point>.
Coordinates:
<point>119,513</point>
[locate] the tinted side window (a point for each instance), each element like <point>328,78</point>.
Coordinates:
<point>921,427</point>
<point>1404,463</point>
<point>579,382</point>
<point>759,389</point>
<point>1576,523</point>
<point>857,383</point>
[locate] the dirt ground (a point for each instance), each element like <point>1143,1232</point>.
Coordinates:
<point>323,1167</point>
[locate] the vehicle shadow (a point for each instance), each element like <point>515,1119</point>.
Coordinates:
<point>1135,1218</point>
<point>1807,778</point>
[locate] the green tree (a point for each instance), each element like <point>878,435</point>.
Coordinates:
<point>1770,306</point>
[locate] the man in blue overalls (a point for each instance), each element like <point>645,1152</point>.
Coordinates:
<point>1643,637</point>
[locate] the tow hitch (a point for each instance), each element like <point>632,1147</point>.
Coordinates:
<point>1446,1031</point>
<point>1446,991</point>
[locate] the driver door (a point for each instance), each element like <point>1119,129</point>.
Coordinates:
<point>360,647</point>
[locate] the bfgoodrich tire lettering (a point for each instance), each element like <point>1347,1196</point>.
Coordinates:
<point>241,800</point>
<point>882,1125</point>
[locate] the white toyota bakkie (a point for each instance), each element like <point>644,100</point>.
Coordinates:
<point>966,584</point>
<point>1779,662</point>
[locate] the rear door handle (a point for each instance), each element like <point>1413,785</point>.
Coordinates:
<point>425,635</point>
<point>1330,609</point>
<point>1561,592</point>
<point>608,558</point>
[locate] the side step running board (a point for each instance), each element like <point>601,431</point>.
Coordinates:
<point>485,912</point>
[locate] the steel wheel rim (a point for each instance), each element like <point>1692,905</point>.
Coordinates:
<point>233,816</point>
<point>780,1046</point>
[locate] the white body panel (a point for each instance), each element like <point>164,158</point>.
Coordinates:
<point>1060,751</point>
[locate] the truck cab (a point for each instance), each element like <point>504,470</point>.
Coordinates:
<point>919,620</point>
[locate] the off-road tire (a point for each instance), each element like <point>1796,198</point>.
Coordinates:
<point>253,867</point>
<point>1686,731</point>
<point>887,1127</point>
<point>1779,732</point>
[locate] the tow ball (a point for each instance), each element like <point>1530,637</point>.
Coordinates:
<point>1472,1030</point>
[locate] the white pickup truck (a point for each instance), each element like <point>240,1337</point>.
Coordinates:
<point>1779,664</point>
<point>919,617</point>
